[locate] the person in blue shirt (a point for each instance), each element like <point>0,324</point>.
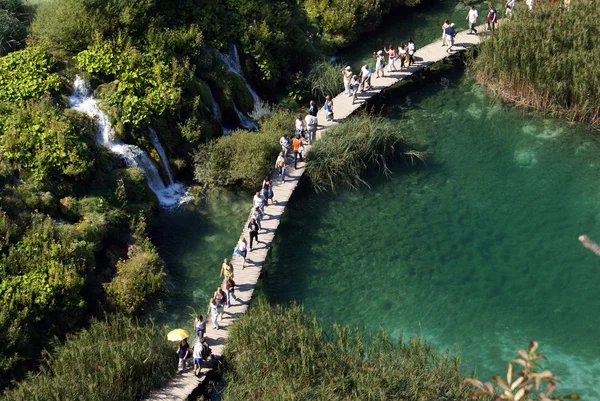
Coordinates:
<point>450,34</point>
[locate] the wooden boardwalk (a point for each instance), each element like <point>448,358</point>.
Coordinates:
<point>184,384</point>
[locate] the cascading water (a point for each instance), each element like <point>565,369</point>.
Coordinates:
<point>161,153</point>
<point>232,62</point>
<point>83,101</point>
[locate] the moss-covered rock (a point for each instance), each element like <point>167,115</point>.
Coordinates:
<point>104,91</point>
<point>240,94</point>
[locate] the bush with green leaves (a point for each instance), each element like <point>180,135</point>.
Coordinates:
<point>114,359</point>
<point>346,151</point>
<point>48,147</point>
<point>27,74</point>
<point>547,59</point>
<point>297,359</point>
<point>244,157</point>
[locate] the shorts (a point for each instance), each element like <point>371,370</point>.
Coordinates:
<point>198,362</point>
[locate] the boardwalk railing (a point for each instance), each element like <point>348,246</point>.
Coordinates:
<point>184,384</point>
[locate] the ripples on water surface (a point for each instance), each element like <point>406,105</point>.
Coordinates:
<point>477,251</point>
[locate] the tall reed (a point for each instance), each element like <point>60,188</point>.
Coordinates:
<point>324,79</point>
<point>347,151</point>
<point>280,353</point>
<point>116,359</point>
<point>547,59</point>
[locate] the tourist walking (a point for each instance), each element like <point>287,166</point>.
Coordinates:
<point>402,55</point>
<point>445,25</point>
<point>214,309</point>
<point>312,123</point>
<point>258,202</point>
<point>379,63</point>
<point>392,57</point>
<point>510,4</point>
<point>257,216</point>
<point>354,85</point>
<point>200,326</point>
<point>230,291</point>
<point>472,18</point>
<point>183,352</point>
<point>297,142</point>
<point>198,357</point>
<point>365,77</point>
<point>312,109</point>
<point>219,296</point>
<point>299,125</point>
<point>241,249</point>
<point>280,165</point>
<point>226,269</point>
<point>328,108</point>
<point>253,232</point>
<point>412,49</point>
<point>347,73</point>
<point>492,19</point>
<point>450,34</point>
<point>284,141</point>
<point>268,187</point>
<point>264,194</point>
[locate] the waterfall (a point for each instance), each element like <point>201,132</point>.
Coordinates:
<point>232,62</point>
<point>83,101</point>
<point>215,107</point>
<point>161,153</point>
<point>245,121</point>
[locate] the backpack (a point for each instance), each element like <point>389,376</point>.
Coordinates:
<point>206,352</point>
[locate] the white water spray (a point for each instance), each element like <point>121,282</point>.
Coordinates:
<point>83,101</point>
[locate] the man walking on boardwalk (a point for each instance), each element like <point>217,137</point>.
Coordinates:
<point>472,18</point>
<point>297,143</point>
<point>450,34</point>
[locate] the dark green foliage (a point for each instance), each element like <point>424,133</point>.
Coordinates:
<point>346,151</point>
<point>12,32</point>
<point>116,359</point>
<point>298,361</point>
<point>324,79</point>
<point>244,157</point>
<point>239,93</point>
<point>547,59</point>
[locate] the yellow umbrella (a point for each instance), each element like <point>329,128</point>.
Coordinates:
<point>178,335</point>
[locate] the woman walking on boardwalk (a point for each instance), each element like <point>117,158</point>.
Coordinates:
<point>347,73</point>
<point>328,108</point>
<point>226,269</point>
<point>183,352</point>
<point>230,291</point>
<point>412,49</point>
<point>200,326</point>
<point>214,310</point>
<point>312,109</point>
<point>280,166</point>
<point>380,58</point>
<point>445,25</point>
<point>402,55</point>
<point>392,58</point>
<point>241,249</point>
<point>354,85</point>
<point>253,231</point>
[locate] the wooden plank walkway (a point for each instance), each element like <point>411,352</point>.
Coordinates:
<point>184,384</point>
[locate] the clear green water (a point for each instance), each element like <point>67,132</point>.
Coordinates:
<point>477,251</point>
<point>194,240</point>
<point>423,24</point>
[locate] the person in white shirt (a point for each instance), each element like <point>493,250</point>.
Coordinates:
<point>365,79</point>
<point>284,141</point>
<point>510,4</point>
<point>311,127</point>
<point>411,52</point>
<point>472,17</point>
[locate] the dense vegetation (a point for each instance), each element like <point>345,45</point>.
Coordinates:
<point>74,220</point>
<point>361,142</point>
<point>279,353</point>
<point>115,359</point>
<point>547,59</point>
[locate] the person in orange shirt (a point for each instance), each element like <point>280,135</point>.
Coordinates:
<point>297,142</point>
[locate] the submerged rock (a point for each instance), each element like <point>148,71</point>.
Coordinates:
<point>525,158</point>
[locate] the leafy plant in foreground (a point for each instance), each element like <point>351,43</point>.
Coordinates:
<point>529,378</point>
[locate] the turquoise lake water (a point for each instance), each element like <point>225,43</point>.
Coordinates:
<point>477,251</point>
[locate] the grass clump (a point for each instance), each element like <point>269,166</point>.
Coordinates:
<point>324,79</point>
<point>280,353</point>
<point>114,359</point>
<point>547,59</point>
<point>346,151</point>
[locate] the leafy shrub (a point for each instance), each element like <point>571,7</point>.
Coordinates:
<point>298,361</point>
<point>47,146</point>
<point>26,74</point>
<point>116,359</point>
<point>244,157</point>
<point>547,59</point>
<point>12,32</point>
<point>347,150</point>
<point>139,278</point>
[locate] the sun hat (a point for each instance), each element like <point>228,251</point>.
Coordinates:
<point>452,24</point>
<point>348,68</point>
<point>380,52</point>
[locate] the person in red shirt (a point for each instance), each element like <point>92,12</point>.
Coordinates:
<point>297,142</point>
